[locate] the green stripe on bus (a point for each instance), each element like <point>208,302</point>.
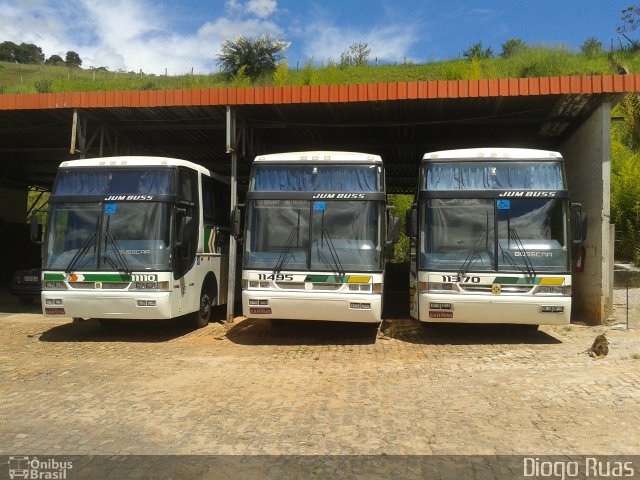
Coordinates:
<point>207,237</point>
<point>517,280</point>
<point>54,276</point>
<point>327,278</point>
<point>316,278</point>
<point>105,277</point>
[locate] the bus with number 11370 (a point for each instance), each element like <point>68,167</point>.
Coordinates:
<point>492,231</point>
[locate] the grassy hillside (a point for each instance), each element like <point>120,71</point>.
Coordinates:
<point>532,62</point>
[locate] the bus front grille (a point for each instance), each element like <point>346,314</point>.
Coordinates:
<point>504,289</point>
<point>291,285</point>
<point>327,286</point>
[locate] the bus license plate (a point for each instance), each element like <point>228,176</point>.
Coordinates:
<point>261,311</point>
<point>440,314</point>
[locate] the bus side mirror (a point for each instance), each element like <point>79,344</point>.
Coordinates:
<point>185,227</point>
<point>236,222</point>
<point>393,230</point>
<point>411,225</point>
<point>579,224</point>
<point>36,229</point>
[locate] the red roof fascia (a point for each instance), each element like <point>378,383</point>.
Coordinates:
<point>504,87</point>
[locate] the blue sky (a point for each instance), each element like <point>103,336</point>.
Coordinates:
<point>154,35</point>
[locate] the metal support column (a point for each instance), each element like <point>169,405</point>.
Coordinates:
<point>231,149</point>
<point>78,134</point>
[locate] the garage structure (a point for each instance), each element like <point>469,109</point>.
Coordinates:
<point>400,121</point>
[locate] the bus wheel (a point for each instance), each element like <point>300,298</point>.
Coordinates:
<point>202,316</point>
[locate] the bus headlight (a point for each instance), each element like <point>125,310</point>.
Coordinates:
<point>54,285</point>
<point>439,287</point>
<point>564,290</point>
<point>151,286</point>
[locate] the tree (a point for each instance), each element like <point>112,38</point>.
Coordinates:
<point>591,47</point>
<point>478,52</point>
<point>28,53</point>
<point>54,60</point>
<point>630,18</point>
<point>72,59</point>
<point>357,54</point>
<point>511,47</point>
<point>260,56</point>
<point>281,75</point>
<point>8,51</point>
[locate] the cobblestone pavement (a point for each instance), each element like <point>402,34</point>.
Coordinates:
<point>314,388</point>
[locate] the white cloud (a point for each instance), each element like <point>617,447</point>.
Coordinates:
<point>225,28</point>
<point>389,43</point>
<point>262,8</point>
<point>132,34</point>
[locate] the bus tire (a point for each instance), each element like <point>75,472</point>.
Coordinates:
<point>202,316</point>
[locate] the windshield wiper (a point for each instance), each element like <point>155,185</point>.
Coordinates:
<point>332,249</point>
<point>513,235</point>
<point>122,265</point>
<point>334,253</point>
<point>473,256</point>
<point>286,251</point>
<point>84,249</point>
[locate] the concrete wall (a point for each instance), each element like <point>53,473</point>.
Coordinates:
<point>588,160</point>
<point>13,205</point>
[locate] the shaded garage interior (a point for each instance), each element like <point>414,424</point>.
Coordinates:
<point>399,121</point>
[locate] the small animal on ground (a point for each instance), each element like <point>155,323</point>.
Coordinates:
<point>600,348</point>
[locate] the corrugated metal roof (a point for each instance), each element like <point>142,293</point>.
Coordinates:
<point>398,121</point>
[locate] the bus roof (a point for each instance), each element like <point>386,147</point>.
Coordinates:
<point>140,161</point>
<point>493,153</point>
<point>319,155</point>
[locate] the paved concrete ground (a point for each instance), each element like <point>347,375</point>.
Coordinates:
<point>314,388</point>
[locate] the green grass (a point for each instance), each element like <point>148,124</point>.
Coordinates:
<point>635,356</point>
<point>531,62</point>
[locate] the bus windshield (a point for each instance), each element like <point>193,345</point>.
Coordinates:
<point>318,235</point>
<point>460,235</point>
<point>114,236</point>
<point>114,181</point>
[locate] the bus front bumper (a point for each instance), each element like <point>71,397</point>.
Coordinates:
<point>133,305</point>
<point>312,306</point>
<point>525,310</point>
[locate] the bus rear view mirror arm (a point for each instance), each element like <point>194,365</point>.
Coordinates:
<point>411,226</point>
<point>36,228</point>
<point>236,222</point>
<point>579,234</point>
<point>393,230</point>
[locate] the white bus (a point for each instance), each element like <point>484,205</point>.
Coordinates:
<point>491,238</point>
<point>315,236</point>
<point>135,237</point>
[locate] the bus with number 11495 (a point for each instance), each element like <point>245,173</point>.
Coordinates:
<point>316,227</point>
